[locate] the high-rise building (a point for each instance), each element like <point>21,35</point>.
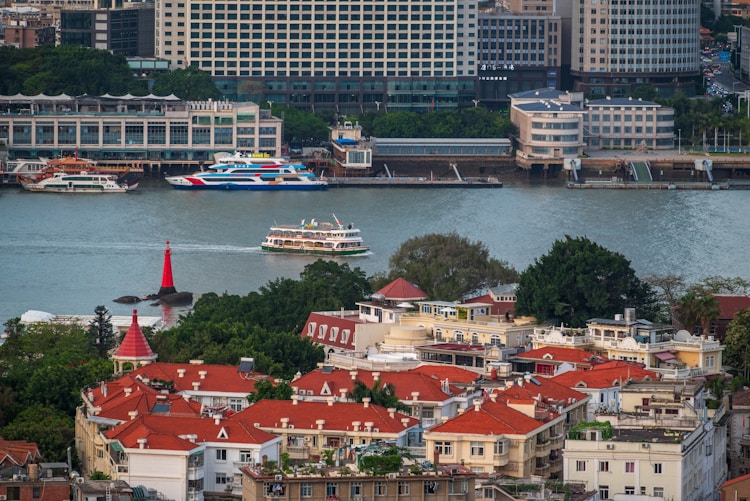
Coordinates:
<point>344,56</point>
<point>618,45</point>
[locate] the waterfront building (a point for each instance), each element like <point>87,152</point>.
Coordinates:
<point>657,347</point>
<point>415,55</point>
<point>126,30</point>
<point>161,131</point>
<point>628,123</point>
<point>622,44</point>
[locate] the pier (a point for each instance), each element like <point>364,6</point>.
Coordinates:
<point>412,182</point>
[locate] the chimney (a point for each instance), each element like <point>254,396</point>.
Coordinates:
<point>295,399</point>
<point>356,425</point>
<point>217,418</point>
<point>320,423</point>
<point>415,395</point>
<point>477,405</point>
<point>202,374</point>
<point>343,392</point>
<point>369,425</point>
<point>392,412</point>
<point>366,402</point>
<point>132,414</point>
<point>104,389</point>
<point>186,397</point>
<point>180,372</point>
<point>142,443</point>
<point>330,401</point>
<point>493,396</point>
<point>284,422</point>
<point>196,362</point>
<point>405,422</point>
<point>353,375</point>
<point>460,410</point>
<point>196,385</point>
<point>376,376</point>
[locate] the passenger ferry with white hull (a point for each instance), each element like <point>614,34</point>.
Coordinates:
<point>84,182</point>
<point>323,238</point>
<point>250,177</point>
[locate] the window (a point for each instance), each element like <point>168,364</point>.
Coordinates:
<point>246,457</point>
<point>355,489</point>
<point>430,487</point>
<point>603,465</point>
<point>629,489</point>
<point>236,404</point>
<point>221,454</point>
<point>403,488</point>
<point>659,492</point>
<point>710,362</point>
<point>444,448</point>
<point>305,490</point>
<point>603,492</point>
<point>657,469</point>
<point>580,465</point>
<point>36,492</point>
<point>380,489</point>
<point>13,493</point>
<point>477,449</point>
<point>630,467</point>
<point>221,479</point>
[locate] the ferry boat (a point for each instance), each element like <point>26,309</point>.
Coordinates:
<point>40,168</point>
<point>326,238</point>
<point>250,177</point>
<point>83,182</point>
<point>239,158</point>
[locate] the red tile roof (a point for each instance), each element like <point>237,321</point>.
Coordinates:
<point>729,305</point>
<point>603,376</point>
<point>405,383</point>
<point>558,354</point>
<point>544,390</point>
<point>222,378</point>
<point>496,307</point>
<point>339,416</point>
<point>18,452</point>
<point>492,418</point>
<point>134,345</point>
<point>445,371</point>
<point>331,321</point>
<point>171,433</point>
<point>402,290</point>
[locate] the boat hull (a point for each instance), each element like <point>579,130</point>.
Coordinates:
<point>253,187</point>
<point>320,252</point>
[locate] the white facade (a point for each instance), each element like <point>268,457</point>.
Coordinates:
<point>175,474</point>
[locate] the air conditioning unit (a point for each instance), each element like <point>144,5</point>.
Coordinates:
<point>3,497</point>
<point>645,446</point>
<point>80,480</point>
<point>392,476</point>
<point>307,439</point>
<point>279,477</point>
<point>610,446</point>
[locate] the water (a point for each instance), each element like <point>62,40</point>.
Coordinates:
<point>67,254</point>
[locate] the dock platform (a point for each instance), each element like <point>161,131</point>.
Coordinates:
<point>412,182</point>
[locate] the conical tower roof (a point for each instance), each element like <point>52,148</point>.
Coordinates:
<point>134,346</point>
<point>402,290</point>
<point>167,284</point>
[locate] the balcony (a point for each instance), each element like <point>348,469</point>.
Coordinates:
<point>743,462</point>
<point>541,469</point>
<point>543,449</point>
<point>555,465</point>
<point>298,451</point>
<point>557,441</point>
<point>745,440</point>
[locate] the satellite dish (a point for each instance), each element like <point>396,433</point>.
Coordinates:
<point>682,335</point>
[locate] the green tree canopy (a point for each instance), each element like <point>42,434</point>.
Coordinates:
<point>267,390</point>
<point>51,429</point>
<point>578,280</point>
<point>380,394</point>
<point>447,266</point>
<point>190,84</point>
<point>66,69</point>
<point>696,309</point>
<point>737,343</point>
<point>101,331</point>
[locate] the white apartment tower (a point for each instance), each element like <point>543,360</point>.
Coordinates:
<point>618,45</point>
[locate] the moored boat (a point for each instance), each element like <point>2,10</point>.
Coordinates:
<point>83,182</point>
<point>324,238</point>
<point>39,168</point>
<point>250,177</point>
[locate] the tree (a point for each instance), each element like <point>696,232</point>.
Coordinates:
<point>447,266</point>
<point>695,309</point>
<point>190,84</point>
<point>266,390</point>
<point>49,428</point>
<point>101,331</point>
<point>380,394</point>
<point>667,291</point>
<point>737,343</point>
<point>578,280</point>
<point>302,126</point>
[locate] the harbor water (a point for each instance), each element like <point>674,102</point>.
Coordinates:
<point>66,254</point>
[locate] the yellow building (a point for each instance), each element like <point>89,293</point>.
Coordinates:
<point>674,355</point>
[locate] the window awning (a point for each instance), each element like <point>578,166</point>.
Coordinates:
<point>665,356</point>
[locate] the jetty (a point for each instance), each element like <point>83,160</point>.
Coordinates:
<point>412,182</point>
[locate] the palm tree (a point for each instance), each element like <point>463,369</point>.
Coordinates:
<point>697,310</point>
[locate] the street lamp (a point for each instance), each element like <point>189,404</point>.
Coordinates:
<point>475,101</point>
<point>679,141</point>
<point>270,104</point>
<point>377,103</point>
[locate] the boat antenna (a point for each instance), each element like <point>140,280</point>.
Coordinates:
<point>337,220</point>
